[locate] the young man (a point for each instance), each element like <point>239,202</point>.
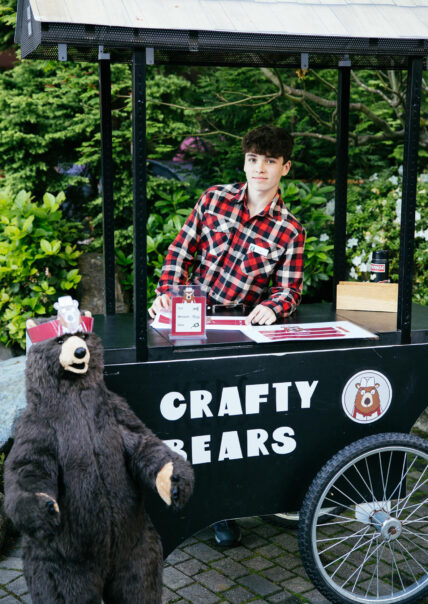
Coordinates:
<point>240,239</point>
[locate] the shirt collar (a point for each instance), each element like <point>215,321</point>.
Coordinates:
<point>275,205</point>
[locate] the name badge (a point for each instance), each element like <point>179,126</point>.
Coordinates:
<point>263,251</point>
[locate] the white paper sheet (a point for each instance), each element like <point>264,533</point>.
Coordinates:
<point>329,330</point>
<point>219,322</point>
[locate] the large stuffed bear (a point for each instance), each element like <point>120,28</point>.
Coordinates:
<point>75,481</point>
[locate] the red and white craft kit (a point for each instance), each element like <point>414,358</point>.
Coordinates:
<point>69,320</point>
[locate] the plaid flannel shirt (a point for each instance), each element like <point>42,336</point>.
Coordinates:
<point>235,257</point>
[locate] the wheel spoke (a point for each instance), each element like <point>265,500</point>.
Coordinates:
<point>375,570</point>
<point>423,549</point>
<point>341,541</point>
<point>412,557</point>
<point>424,519</point>
<point>342,505</point>
<point>398,571</point>
<point>387,476</point>
<point>366,557</point>
<point>355,488</point>
<point>406,499</point>
<point>422,536</point>
<point>345,556</point>
<point>345,521</point>
<point>403,476</point>
<point>415,510</point>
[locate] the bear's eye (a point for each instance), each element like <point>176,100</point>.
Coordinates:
<point>84,336</point>
<point>60,340</point>
<point>372,391</point>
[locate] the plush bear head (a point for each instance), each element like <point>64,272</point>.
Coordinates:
<point>75,360</point>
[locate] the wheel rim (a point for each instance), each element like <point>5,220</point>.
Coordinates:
<point>375,549</point>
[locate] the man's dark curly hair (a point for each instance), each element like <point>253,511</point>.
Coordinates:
<point>268,140</point>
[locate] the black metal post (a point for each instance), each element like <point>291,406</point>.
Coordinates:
<point>140,210</point>
<point>342,142</point>
<point>408,204</point>
<point>107,186</point>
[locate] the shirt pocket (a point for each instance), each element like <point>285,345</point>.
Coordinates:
<point>216,232</point>
<point>261,258</point>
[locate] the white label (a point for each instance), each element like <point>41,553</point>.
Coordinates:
<point>263,251</point>
<point>188,317</point>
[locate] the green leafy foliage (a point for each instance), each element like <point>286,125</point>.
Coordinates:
<point>374,220</point>
<point>38,256</point>
<point>7,23</point>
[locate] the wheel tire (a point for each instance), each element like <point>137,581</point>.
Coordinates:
<point>381,484</point>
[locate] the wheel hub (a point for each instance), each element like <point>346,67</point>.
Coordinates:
<point>388,527</point>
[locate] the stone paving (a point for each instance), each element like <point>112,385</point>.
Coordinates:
<point>265,567</point>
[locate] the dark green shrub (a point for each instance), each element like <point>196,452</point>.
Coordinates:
<point>374,224</point>
<point>38,257</point>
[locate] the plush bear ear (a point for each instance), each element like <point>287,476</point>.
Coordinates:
<point>30,323</point>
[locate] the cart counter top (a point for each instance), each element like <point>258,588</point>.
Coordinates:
<point>117,331</point>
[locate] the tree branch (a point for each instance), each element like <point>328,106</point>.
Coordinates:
<point>270,97</point>
<point>325,137</point>
<point>372,90</point>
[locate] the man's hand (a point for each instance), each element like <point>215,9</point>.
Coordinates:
<point>162,302</point>
<point>261,315</point>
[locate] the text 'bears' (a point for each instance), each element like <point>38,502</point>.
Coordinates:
<point>232,445</point>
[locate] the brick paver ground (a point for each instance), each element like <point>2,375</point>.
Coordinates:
<point>265,567</point>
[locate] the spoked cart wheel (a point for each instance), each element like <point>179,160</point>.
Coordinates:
<point>373,545</point>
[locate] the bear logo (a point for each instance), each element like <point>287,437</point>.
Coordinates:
<point>189,295</point>
<point>366,396</point>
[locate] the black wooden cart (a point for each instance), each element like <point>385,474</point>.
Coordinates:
<point>272,427</point>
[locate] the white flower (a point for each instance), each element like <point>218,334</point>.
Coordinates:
<point>424,177</point>
<point>363,267</point>
<point>358,208</point>
<point>422,234</point>
<point>373,176</point>
<point>417,216</point>
<point>398,210</point>
<point>353,273</point>
<point>400,170</point>
<point>352,242</point>
<point>324,237</point>
<point>329,207</point>
<point>356,260</point>
<point>368,236</point>
<point>393,179</point>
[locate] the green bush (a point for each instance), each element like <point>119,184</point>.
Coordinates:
<point>37,260</point>
<point>374,224</point>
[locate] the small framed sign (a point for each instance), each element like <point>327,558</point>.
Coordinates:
<point>188,312</point>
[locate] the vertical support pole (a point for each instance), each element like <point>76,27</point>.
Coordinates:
<point>107,186</point>
<point>140,210</point>
<point>408,204</point>
<point>342,143</point>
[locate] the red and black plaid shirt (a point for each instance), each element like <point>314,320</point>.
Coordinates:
<point>236,257</point>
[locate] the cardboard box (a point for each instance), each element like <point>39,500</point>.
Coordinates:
<point>354,295</point>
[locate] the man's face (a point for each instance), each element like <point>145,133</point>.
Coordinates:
<point>264,172</point>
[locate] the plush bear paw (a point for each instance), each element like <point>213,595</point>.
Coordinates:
<point>174,482</point>
<point>48,516</point>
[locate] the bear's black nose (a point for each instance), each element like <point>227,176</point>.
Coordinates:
<point>79,353</point>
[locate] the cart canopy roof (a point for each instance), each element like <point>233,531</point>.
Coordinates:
<point>235,32</point>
